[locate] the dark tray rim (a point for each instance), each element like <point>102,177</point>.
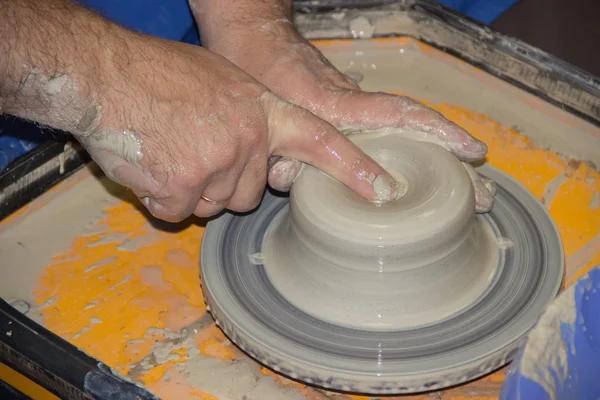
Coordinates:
<point>69,373</point>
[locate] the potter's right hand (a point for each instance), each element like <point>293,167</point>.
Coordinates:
<point>189,132</point>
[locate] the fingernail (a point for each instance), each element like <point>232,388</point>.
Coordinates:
<point>472,150</point>
<point>490,185</point>
<point>283,174</point>
<point>385,188</point>
<point>145,201</point>
<point>484,199</point>
<point>478,147</point>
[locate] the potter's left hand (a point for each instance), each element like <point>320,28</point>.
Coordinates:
<point>259,39</point>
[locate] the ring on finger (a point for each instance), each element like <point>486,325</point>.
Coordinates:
<point>214,202</point>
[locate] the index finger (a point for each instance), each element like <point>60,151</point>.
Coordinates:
<point>298,134</point>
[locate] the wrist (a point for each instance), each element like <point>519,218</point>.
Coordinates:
<point>236,20</point>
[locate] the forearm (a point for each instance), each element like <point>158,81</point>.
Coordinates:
<point>220,18</point>
<point>54,57</point>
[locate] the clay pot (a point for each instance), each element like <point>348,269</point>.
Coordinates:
<point>408,263</point>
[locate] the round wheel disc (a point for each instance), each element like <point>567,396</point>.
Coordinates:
<point>467,345</point>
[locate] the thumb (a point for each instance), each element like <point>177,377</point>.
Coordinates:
<point>297,134</point>
<point>485,190</point>
<point>283,172</point>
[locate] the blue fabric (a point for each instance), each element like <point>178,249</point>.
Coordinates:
<point>172,19</point>
<point>582,342</point>
<point>484,11</point>
<point>168,19</point>
<point>17,137</point>
<point>12,146</point>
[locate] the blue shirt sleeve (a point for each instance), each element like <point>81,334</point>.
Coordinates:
<point>167,19</point>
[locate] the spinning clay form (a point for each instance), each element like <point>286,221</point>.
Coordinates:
<point>403,264</point>
<point>413,295</point>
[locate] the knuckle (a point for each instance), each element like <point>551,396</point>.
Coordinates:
<point>255,202</point>
<point>254,137</point>
<point>177,179</point>
<point>245,205</point>
<point>171,199</point>
<point>250,196</point>
<point>207,212</point>
<point>163,210</point>
<point>250,89</point>
<point>252,201</point>
<point>226,159</point>
<point>260,175</point>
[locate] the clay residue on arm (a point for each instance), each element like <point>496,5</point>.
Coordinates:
<point>50,72</point>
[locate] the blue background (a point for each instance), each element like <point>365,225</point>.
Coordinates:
<point>582,341</point>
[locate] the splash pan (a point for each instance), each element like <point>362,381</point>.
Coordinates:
<point>415,295</point>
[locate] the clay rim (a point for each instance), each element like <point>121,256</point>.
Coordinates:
<point>477,361</point>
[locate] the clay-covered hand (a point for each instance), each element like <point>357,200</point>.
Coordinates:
<point>271,50</point>
<point>180,122</point>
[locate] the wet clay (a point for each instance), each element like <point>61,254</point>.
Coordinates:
<point>402,264</point>
<point>355,319</point>
<point>394,65</point>
<point>28,244</point>
<point>64,225</point>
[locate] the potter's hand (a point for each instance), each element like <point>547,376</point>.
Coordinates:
<point>181,126</point>
<point>265,44</point>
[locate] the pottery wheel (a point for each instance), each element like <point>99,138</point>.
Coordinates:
<point>425,294</point>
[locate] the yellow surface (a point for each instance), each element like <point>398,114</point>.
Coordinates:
<point>24,385</point>
<point>117,305</point>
